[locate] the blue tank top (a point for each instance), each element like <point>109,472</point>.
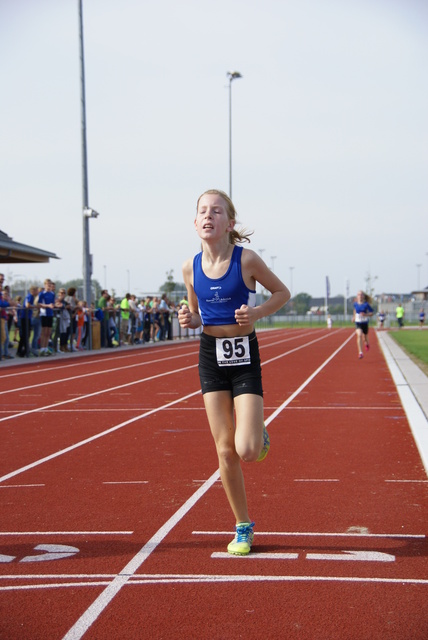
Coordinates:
<point>362,307</point>
<point>219,298</point>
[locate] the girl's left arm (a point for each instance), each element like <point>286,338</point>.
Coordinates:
<point>254,270</point>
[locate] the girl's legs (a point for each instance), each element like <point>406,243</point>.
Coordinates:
<point>359,335</point>
<point>233,444</point>
<point>219,408</point>
<point>366,339</point>
<point>249,426</point>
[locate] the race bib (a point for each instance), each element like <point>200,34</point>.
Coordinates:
<point>233,351</point>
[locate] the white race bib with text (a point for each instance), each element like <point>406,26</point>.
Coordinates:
<point>233,351</point>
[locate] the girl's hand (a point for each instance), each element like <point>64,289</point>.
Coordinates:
<point>245,315</point>
<point>184,316</point>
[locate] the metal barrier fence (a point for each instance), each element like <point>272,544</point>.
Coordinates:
<point>111,329</point>
<point>115,330</point>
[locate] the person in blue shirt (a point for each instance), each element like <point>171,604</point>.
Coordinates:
<point>362,313</point>
<point>381,319</point>
<point>46,303</point>
<point>221,287</point>
<point>25,315</point>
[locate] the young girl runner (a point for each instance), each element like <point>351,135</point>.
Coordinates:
<point>362,313</point>
<point>221,285</point>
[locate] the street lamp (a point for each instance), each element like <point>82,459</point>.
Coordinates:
<point>232,75</point>
<point>87,211</point>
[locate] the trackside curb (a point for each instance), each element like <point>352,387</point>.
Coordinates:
<point>412,387</point>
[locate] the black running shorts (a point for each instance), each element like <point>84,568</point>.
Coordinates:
<point>363,326</point>
<point>225,372</point>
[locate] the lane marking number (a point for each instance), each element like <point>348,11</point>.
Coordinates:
<point>51,552</point>
<point>359,556</point>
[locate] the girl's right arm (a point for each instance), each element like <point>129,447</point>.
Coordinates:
<point>188,315</point>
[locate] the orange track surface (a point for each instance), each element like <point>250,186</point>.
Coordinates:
<point>114,523</point>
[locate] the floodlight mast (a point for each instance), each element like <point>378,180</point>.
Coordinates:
<point>232,75</point>
<point>87,211</point>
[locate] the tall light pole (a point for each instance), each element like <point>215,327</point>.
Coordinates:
<point>418,266</point>
<point>232,75</point>
<point>87,211</point>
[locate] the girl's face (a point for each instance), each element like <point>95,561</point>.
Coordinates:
<point>212,221</point>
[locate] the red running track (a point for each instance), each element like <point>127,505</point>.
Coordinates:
<point>114,523</point>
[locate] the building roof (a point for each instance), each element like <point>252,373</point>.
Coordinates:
<point>14,252</point>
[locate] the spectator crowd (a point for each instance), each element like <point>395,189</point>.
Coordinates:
<point>46,321</point>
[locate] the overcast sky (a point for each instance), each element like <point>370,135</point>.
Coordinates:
<point>330,136</point>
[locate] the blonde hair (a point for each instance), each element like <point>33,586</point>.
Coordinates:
<point>366,297</point>
<point>236,235</point>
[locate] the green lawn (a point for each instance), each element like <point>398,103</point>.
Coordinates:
<point>415,342</point>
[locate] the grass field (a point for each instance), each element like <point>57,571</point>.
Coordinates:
<point>416,344</point>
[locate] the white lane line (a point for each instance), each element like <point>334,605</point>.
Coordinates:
<point>303,346</point>
<point>113,588</point>
<point>342,556</point>
<point>343,408</point>
<point>123,386</point>
<point>57,576</point>
<point>98,393</point>
<point>316,480</point>
<point>127,482</point>
<point>52,456</point>
<point>317,534</point>
<point>20,486</point>
<point>144,415</point>
<point>145,579</point>
<point>104,599</point>
<point>307,381</point>
<point>80,363</point>
<point>66,533</point>
<point>410,481</point>
<point>224,555</point>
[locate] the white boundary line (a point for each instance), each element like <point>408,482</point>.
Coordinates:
<point>317,534</point>
<point>66,533</point>
<point>417,420</point>
<point>209,578</point>
<point>103,600</point>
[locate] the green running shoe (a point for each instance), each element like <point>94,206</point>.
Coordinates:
<point>266,445</point>
<point>241,543</point>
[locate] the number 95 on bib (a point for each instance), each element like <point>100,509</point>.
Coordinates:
<point>233,351</point>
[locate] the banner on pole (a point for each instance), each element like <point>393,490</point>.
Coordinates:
<point>327,286</point>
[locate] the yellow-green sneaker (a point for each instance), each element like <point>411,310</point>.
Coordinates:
<point>266,445</point>
<point>241,543</point>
